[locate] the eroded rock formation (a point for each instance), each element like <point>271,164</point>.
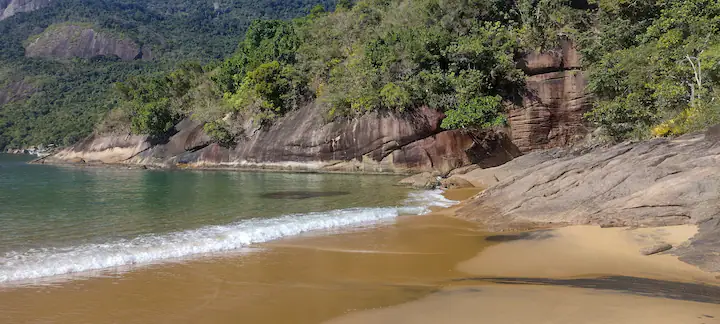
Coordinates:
<point>552,111</point>
<point>551,116</point>
<point>302,140</point>
<point>67,41</point>
<point>9,8</point>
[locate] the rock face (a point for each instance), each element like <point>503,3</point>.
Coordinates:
<point>552,111</point>
<point>68,41</point>
<point>654,183</point>
<point>14,91</point>
<point>9,8</point>
<point>302,140</point>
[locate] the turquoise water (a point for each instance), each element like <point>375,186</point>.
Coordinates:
<point>60,220</point>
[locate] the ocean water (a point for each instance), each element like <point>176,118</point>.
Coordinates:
<point>63,220</point>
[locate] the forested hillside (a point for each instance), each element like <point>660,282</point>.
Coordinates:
<point>47,100</point>
<point>652,65</point>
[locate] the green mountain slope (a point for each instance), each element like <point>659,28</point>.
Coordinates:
<point>59,99</point>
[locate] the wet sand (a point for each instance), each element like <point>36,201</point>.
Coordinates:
<point>577,274</point>
<point>506,304</point>
<point>419,269</point>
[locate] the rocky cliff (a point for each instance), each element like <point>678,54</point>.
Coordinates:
<point>9,8</point>
<point>551,114</point>
<point>66,41</point>
<point>302,140</point>
<point>654,183</point>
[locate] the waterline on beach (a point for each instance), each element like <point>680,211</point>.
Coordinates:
<point>149,249</point>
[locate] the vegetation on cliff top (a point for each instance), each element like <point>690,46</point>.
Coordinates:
<point>652,65</point>
<point>376,55</point>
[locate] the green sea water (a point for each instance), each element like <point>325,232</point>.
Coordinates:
<point>59,220</point>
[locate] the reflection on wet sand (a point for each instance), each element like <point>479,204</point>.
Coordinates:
<point>299,280</point>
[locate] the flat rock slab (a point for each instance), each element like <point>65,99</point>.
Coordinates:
<point>659,182</point>
<point>656,249</point>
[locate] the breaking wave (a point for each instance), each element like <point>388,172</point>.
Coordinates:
<point>47,262</point>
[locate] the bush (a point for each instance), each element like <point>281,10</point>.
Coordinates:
<point>482,112</point>
<point>153,118</point>
<point>394,97</point>
<point>219,132</point>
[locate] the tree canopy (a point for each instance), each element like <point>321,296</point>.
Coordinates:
<point>66,99</point>
<point>652,65</point>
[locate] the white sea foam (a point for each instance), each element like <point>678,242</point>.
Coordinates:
<point>40,263</point>
<point>429,198</point>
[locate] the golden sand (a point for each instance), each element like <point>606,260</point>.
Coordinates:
<point>589,251</point>
<point>570,252</point>
<point>510,304</point>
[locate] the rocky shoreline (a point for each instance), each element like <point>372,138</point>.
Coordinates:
<point>660,182</point>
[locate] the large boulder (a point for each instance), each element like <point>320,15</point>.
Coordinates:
<point>65,41</point>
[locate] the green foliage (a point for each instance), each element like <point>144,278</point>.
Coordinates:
<point>153,118</point>
<point>71,97</point>
<point>546,23</point>
<point>265,41</point>
<point>651,62</point>
<point>268,91</point>
<point>343,5</point>
<point>219,132</point>
<point>156,103</point>
<point>476,112</point>
<point>398,55</point>
<point>394,97</point>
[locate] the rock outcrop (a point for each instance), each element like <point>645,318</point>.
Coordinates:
<point>9,8</point>
<point>15,90</point>
<point>551,114</point>
<point>654,183</point>
<point>66,41</point>
<point>302,140</point>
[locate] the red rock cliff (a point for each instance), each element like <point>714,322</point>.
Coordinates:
<point>552,111</point>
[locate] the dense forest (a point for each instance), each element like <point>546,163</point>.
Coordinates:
<point>63,100</point>
<point>652,66</point>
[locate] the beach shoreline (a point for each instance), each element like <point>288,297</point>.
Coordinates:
<point>409,271</point>
<point>578,274</point>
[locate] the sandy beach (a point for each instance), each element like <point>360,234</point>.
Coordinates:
<point>421,269</point>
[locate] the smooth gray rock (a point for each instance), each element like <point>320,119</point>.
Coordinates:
<point>662,247</point>
<point>658,182</point>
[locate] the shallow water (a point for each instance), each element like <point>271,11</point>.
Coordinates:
<point>306,278</point>
<point>60,220</point>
